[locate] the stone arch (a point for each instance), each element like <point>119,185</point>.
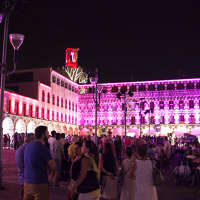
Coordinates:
<point>65,129</point>
<point>31,127</point>
<point>50,128</point>
<point>8,126</point>
<point>20,126</point>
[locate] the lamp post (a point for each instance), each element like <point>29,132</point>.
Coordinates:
<point>16,41</point>
<point>140,112</point>
<point>122,94</point>
<point>98,89</point>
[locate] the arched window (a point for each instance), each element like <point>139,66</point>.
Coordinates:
<point>123,88</point>
<point>190,85</point>
<point>132,88</point>
<point>161,87</point>
<point>180,86</point>
<point>198,85</point>
<point>114,89</point>
<point>151,87</point>
<point>142,88</point>
<point>170,86</point>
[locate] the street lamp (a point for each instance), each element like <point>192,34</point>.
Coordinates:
<point>122,94</point>
<point>149,111</point>
<point>98,89</point>
<point>16,41</point>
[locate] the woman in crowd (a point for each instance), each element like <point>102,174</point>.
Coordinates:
<point>90,162</point>
<point>76,167</point>
<point>128,184</point>
<point>143,169</point>
<point>109,169</point>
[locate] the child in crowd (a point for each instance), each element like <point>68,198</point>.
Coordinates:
<point>176,173</point>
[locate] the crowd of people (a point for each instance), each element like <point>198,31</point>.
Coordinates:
<point>115,168</point>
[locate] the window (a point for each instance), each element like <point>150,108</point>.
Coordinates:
<point>114,89</point>
<point>23,109</point>
<point>61,117</point>
<point>142,88</point>
<point>143,119</point>
<point>69,105</point>
<point>89,108</point>
<point>191,104</point>
<point>142,105</point>
<point>76,107</point>
<point>171,119</point>
<point>48,114</point>
<point>8,109</point>
<point>162,121</point>
<point>58,81</point>
<point>161,104</point>
<point>69,119</point>
<point>66,118</point>
<point>53,115</point>
<point>43,96</point>
<point>105,107</point>
<point>30,110</point>
<point>65,103</point>
<point>72,106</point>
<point>57,100</point>
<point>181,118</point>
<point>72,119</point>
<point>37,112</point>
<point>62,84</point>
<point>171,105</point>
<point>66,85</point>
<point>61,102</point>
<point>57,117</point>
<point>53,79</point>
<point>192,119</point>
<point>53,99</point>
<point>70,87</point>
<point>16,111</point>
<point>42,114</point>
<point>133,120</point>
<point>76,90</point>
<point>181,104</point>
<point>114,107</point>
<point>48,97</point>
<point>151,105</point>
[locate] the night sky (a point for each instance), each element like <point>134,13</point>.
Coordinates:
<point>126,40</point>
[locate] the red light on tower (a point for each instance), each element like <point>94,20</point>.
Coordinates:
<point>71,58</point>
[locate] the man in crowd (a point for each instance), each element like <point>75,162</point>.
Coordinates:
<point>52,139</point>
<point>118,147</point>
<point>167,147</point>
<point>19,156</point>
<point>37,161</point>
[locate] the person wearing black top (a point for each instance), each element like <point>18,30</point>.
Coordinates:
<point>76,166</point>
<point>109,169</point>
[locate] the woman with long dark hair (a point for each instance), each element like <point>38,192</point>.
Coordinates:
<point>109,169</point>
<point>89,164</point>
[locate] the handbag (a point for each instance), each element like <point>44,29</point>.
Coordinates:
<point>90,183</point>
<point>157,175</point>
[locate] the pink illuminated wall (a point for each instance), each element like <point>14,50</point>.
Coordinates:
<point>179,97</point>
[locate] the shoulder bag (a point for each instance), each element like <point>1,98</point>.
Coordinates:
<point>90,183</point>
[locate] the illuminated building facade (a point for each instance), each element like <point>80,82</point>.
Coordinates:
<point>175,105</point>
<point>44,96</point>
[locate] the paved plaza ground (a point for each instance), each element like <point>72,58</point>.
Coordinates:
<point>167,191</point>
